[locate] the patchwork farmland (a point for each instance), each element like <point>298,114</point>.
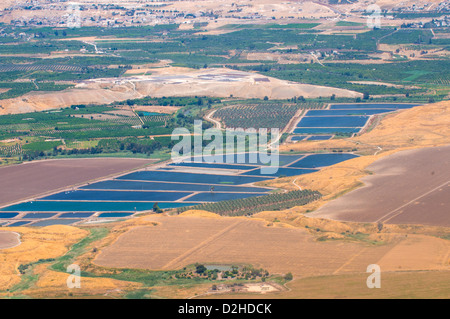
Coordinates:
<point>172,186</point>
<point>263,115</point>
<point>87,121</point>
<point>222,187</point>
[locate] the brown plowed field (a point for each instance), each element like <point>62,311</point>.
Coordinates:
<point>8,239</point>
<point>180,241</point>
<point>409,187</point>
<point>20,182</point>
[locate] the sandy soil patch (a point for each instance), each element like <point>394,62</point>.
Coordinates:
<point>170,82</point>
<point>142,71</point>
<point>11,140</point>
<point>383,84</point>
<point>9,239</point>
<point>282,58</point>
<point>266,8</point>
<point>156,109</point>
<point>199,213</point>
<point>6,3</point>
<point>180,292</point>
<point>279,249</point>
<point>122,112</point>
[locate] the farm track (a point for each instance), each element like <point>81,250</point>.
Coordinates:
<point>233,241</point>
<point>295,184</point>
<point>209,118</point>
<point>398,211</point>
<point>379,148</point>
<point>178,262</point>
<point>294,121</point>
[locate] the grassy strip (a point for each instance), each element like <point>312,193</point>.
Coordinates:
<point>78,249</point>
<point>28,277</point>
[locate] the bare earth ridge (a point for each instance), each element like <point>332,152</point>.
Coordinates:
<point>220,82</point>
<point>9,239</point>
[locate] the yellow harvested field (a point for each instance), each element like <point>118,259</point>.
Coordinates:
<point>418,252</point>
<point>283,247</point>
<point>421,126</point>
<point>54,284</point>
<point>403,285</point>
<point>199,213</point>
<point>180,292</point>
<point>229,241</point>
<point>37,243</point>
<point>51,283</point>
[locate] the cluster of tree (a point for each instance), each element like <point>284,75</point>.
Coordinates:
<point>134,147</point>
<point>156,208</point>
<point>187,121</point>
<point>173,101</point>
<point>298,99</point>
<point>252,205</point>
<point>23,267</point>
<point>235,272</point>
<point>140,148</point>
